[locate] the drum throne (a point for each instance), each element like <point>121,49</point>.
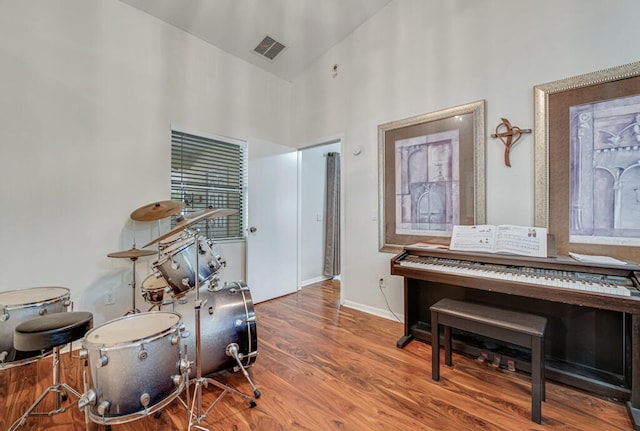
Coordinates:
<point>51,332</point>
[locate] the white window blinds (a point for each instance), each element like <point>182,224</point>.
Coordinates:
<point>210,173</point>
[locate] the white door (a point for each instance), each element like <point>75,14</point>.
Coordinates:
<point>272,220</point>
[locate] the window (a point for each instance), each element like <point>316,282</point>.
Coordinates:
<point>210,173</point>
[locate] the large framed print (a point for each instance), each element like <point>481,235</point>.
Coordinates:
<point>587,162</point>
<point>431,176</point>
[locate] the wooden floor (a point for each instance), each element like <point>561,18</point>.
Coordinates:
<point>324,368</point>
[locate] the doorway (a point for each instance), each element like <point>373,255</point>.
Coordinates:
<point>312,203</point>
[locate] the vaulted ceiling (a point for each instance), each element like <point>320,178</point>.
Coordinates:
<point>306,28</point>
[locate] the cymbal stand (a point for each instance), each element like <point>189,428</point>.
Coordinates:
<point>133,309</point>
<point>195,413</point>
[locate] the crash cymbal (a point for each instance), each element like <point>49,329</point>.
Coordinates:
<point>157,210</point>
<point>212,213</point>
<point>133,253</point>
<point>180,226</point>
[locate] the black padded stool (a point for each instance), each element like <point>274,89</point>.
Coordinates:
<point>51,331</point>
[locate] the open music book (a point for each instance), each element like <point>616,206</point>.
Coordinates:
<point>522,240</point>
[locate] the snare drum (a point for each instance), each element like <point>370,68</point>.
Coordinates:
<point>16,306</point>
<point>226,317</point>
<point>153,288</point>
<point>177,264</point>
<point>135,366</point>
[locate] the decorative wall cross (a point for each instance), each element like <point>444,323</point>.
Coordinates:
<point>509,135</point>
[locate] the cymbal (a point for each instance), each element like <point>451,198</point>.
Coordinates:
<point>157,210</point>
<point>193,219</point>
<point>133,253</point>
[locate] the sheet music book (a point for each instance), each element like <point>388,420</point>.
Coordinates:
<point>521,240</point>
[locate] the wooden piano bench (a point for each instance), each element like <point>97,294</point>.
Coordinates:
<point>522,329</point>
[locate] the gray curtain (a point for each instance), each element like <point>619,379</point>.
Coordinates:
<point>332,217</point>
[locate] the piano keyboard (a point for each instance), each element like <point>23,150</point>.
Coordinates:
<point>598,283</point>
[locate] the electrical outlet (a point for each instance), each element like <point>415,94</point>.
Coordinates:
<point>382,282</point>
<point>108,298</point>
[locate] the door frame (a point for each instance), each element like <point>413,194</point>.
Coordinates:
<point>317,143</point>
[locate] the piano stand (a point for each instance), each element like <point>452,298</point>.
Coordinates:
<point>403,341</point>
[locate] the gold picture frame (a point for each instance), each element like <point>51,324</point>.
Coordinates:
<point>431,175</point>
<point>557,130</point>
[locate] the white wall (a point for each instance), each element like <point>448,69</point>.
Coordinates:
<point>90,89</point>
<point>313,182</point>
<point>88,93</point>
<point>420,56</point>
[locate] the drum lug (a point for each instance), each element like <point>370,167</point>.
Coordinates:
<point>4,317</point>
<point>103,407</point>
<point>175,340</point>
<point>42,311</point>
<point>142,354</point>
<point>83,353</point>
<point>175,265</point>
<point>86,399</point>
<point>185,282</point>
<point>102,361</point>
<point>145,399</point>
<point>176,379</point>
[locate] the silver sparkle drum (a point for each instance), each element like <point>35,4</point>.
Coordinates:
<point>226,317</point>
<point>136,366</point>
<point>178,261</point>
<point>16,306</point>
<point>153,289</point>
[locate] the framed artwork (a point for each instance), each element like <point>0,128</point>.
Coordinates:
<point>587,162</point>
<point>431,176</point>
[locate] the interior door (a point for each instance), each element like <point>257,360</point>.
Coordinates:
<point>272,220</point>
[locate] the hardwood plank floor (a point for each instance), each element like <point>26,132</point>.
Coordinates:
<point>321,367</point>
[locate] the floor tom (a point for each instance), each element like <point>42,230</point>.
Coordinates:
<point>135,364</point>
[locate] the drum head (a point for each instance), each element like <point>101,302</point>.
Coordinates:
<point>33,295</point>
<point>132,328</point>
<point>154,282</point>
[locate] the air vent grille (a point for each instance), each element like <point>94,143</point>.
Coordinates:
<point>269,48</point>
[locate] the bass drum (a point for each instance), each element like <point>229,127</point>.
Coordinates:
<point>227,317</point>
<point>136,366</point>
<point>16,306</point>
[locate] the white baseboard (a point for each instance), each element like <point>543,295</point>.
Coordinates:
<point>380,312</point>
<point>314,280</point>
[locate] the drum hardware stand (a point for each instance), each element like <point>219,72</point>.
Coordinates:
<point>133,309</point>
<point>61,393</point>
<point>195,413</point>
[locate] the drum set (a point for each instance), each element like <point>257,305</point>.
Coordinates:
<point>142,361</point>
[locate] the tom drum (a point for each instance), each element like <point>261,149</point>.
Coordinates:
<point>178,261</point>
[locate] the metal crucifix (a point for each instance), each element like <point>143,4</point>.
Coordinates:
<point>509,135</point>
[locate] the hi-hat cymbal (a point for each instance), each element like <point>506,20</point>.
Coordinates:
<point>133,253</point>
<point>157,210</point>
<point>193,219</point>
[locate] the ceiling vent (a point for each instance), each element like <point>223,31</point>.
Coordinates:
<point>269,48</point>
